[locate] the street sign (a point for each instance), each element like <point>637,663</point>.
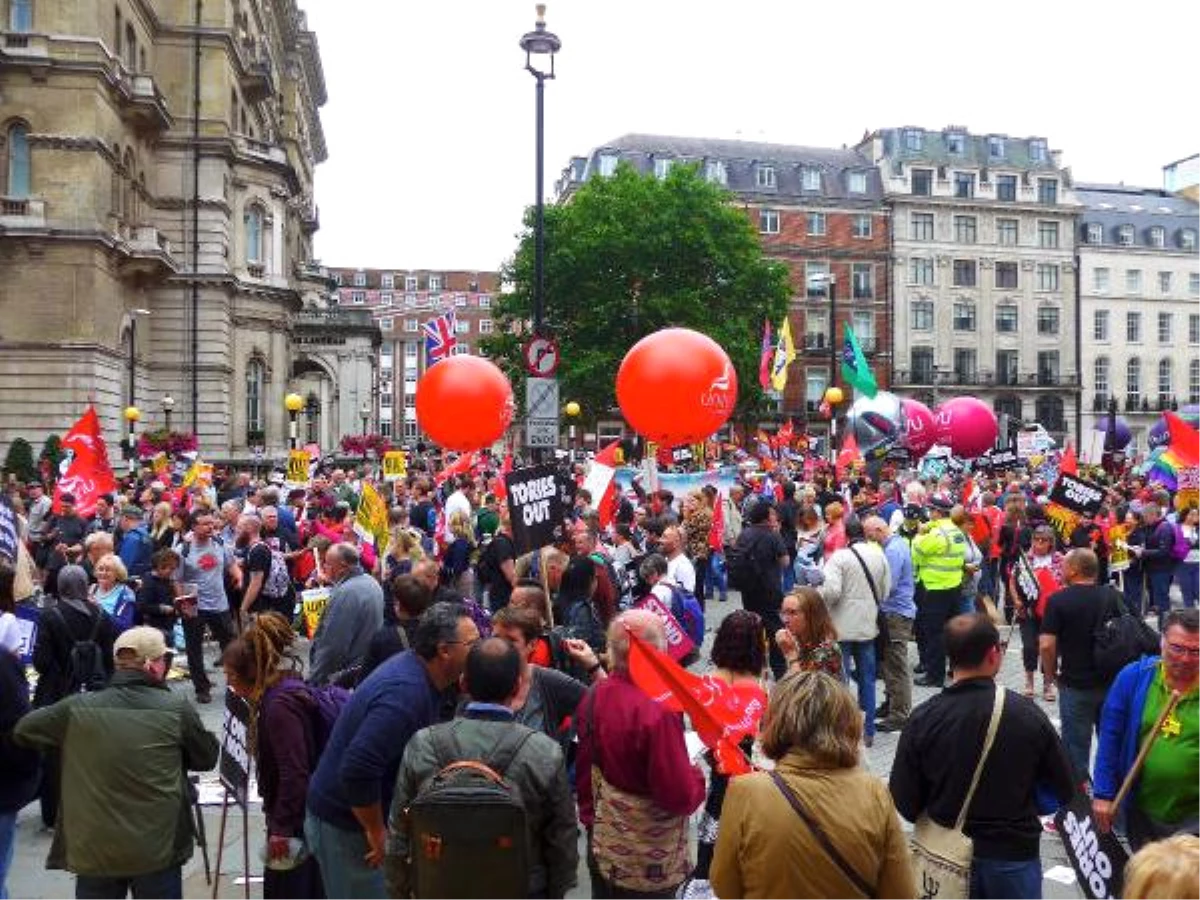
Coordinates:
<point>541,433</point>
<point>541,356</point>
<point>541,398</point>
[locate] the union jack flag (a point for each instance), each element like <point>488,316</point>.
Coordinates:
<point>440,339</point>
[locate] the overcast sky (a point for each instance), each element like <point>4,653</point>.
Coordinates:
<point>430,119</point>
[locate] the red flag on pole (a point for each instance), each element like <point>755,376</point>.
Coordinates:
<point>86,473</point>
<point>498,487</point>
<point>461,465</point>
<point>766,356</point>
<point>722,714</point>
<point>1069,464</point>
<point>847,456</point>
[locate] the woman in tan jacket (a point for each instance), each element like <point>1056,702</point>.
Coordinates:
<point>851,845</point>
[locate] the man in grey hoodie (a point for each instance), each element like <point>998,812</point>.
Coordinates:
<point>353,615</point>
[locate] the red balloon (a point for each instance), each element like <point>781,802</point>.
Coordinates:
<point>919,427</point>
<point>967,425</point>
<point>676,386</point>
<point>464,403</point>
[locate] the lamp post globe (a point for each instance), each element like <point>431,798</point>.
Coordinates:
<point>293,403</point>
<point>132,414</point>
<point>168,405</point>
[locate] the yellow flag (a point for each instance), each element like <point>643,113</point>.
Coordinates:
<point>785,353</point>
<point>395,465</point>
<point>371,520</point>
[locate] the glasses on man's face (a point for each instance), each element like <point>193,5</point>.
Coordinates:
<point>1181,650</point>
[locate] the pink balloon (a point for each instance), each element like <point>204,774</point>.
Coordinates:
<point>967,425</point>
<point>919,431</point>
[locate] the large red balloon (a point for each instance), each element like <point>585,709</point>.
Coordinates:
<point>967,425</point>
<point>464,403</point>
<point>676,386</point>
<point>919,427</point>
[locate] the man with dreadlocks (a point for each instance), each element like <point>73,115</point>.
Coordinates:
<point>262,667</point>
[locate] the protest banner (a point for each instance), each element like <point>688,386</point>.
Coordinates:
<point>1118,549</point>
<point>297,467</point>
<point>1061,519</point>
<point>1187,487</point>
<point>1097,857</point>
<point>395,465</point>
<point>1025,582</point>
<point>312,606</point>
<point>1077,494</point>
<point>371,518</point>
<point>535,505</point>
<point>233,768</point>
<point>8,530</point>
<point>679,645</point>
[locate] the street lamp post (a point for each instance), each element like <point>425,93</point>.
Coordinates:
<point>833,396</point>
<point>539,42</point>
<point>168,404</point>
<point>132,414</point>
<point>293,403</point>
<point>572,410</point>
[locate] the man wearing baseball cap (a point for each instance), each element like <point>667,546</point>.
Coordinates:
<point>124,818</point>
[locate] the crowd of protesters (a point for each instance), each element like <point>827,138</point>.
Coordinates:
<point>444,642</point>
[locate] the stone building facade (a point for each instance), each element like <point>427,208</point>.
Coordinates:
<point>984,272</point>
<point>157,214</point>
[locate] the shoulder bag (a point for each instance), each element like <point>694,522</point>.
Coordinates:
<point>941,856</point>
<point>883,637</point>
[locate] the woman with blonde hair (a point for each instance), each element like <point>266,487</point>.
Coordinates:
<point>1167,868</point>
<point>112,593</point>
<point>456,563</point>
<point>818,805</point>
<point>161,531</point>
<point>403,552</point>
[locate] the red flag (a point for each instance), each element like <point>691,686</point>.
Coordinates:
<point>1069,464</point>
<point>498,487</point>
<point>87,473</point>
<point>722,714</point>
<point>847,456</point>
<point>461,465</point>
<point>716,534</point>
<point>969,492</point>
<point>1183,444</point>
<point>604,467</point>
<point>784,435</point>
<point>767,356</point>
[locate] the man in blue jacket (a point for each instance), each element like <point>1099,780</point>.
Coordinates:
<point>1165,797</point>
<point>136,547</point>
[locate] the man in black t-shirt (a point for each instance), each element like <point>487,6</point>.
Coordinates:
<point>499,564</point>
<point>1066,642</point>
<point>258,592</point>
<point>765,556</point>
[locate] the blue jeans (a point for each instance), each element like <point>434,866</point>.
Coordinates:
<point>8,837</point>
<point>789,575</point>
<point>342,857</point>
<point>718,578</point>
<point>1020,879</point>
<point>1080,711</point>
<point>167,883</point>
<point>1187,575</point>
<point>862,653</point>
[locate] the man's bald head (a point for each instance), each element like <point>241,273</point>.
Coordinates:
<point>644,624</point>
<point>876,529</point>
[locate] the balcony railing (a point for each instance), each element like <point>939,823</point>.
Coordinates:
<point>26,211</point>
<point>814,342</point>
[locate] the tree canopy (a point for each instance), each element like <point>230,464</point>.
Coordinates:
<point>629,255</point>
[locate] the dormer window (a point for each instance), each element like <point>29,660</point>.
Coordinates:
<point>1187,239</point>
<point>1125,235</point>
<point>858,182</point>
<point>1157,236</point>
<point>662,167</point>
<point>913,139</point>
<point>715,172</point>
<point>955,142</point>
<point>996,147</point>
<point>608,164</point>
<point>1095,234</point>
<point>764,176</point>
<point>1037,150</point>
<point>810,178</point>
<point>435,282</point>
<point>360,279</point>
<point>410,282</point>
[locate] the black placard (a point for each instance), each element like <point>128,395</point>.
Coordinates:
<point>234,767</point>
<point>681,454</point>
<point>998,460</point>
<point>1025,581</point>
<point>1097,858</point>
<point>1077,494</point>
<point>8,530</point>
<point>535,505</point>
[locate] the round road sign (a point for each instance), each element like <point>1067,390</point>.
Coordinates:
<point>541,356</point>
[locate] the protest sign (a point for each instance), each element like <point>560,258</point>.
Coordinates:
<point>8,531</point>
<point>234,765</point>
<point>28,620</point>
<point>1118,549</point>
<point>1061,519</point>
<point>1097,858</point>
<point>395,465</point>
<point>535,505</point>
<point>1187,487</point>
<point>679,645</point>
<point>1077,494</point>
<point>371,518</point>
<point>297,468</point>
<point>312,607</point>
<point>1025,582</point>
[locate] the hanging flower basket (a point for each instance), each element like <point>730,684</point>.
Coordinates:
<point>361,445</point>
<point>152,443</point>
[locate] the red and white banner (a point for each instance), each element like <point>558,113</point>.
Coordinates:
<point>86,473</point>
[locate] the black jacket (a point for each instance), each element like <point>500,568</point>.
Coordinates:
<point>20,769</point>
<point>938,752</point>
<point>59,627</point>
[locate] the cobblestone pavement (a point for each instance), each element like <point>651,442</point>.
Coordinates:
<point>29,877</point>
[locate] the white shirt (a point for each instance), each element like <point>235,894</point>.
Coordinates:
<point>681,571</point>
<point>456,502</point>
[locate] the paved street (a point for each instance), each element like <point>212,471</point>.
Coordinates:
<point>30,879</point>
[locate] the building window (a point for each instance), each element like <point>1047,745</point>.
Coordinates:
<point>360,279</point>
<point>20,15</point>
<point>1194,381</point>
<point>965,366</point>
<point>1095,234</point>
<point>1047,277</point>
<point>814,386</point>
<point>921,269</point>
<point>1048,191</point>
<point>460,300</point>
<point>485,301</point>
<point>764,176</point>
<point>16,163</point>
<point>964,184</point>
<point>410,349</point>
<point>1047,367</point>
<point>485,326</point>
<point>1048,235</point>
<point>1125,236</point>
<point>1047,320</point>
<point>1100,280</point>
<point>810,178</point>
<point>1157,236</point>
<point>1100,374</point>
<point>1164,282</point>
<point>1133,380</point>
<point>922,182</point>
<point>387,281</point>
<point>715,171</point>
<point>1194,328</point>
<point>385,324</point>
<point>922,315</point>
<point>1133,327</point>
<point>462,326</point>
<point>922,226</point>
<point>955,142</point>
<point>1194,284</point>
<point>1007,366</point>
<point>608,164</point>
<point>921,359</point>
<point>410,325</point>
<point>816,279</point>
<point>768,221</point>
<point>1165,321</point>
<point>337,278</point>
<point>862,281</point>
<point>862,225</point>
<point>1006,275</point>
<point>1100,326</point>
<point>435,283</point>
<point>1007,232</point>
<point>255,379</point>
<point>913,139</point>
<point>358,297</point>
<point>964,316</point>
<point>1037,150</point>
<point>858,182</point>
<point>1006,188</point>
<point>1187,239</point>
<point>254,235</point>
<point>964,273</point>
<point>964,229</point>
<point>1166,379</point>
<point>996,147</point>
<point>1133,281</point>
<point>1006,319</point>
<point>662,167</point>
<point>816,224</point>
<point>1048,410</point>
<point>410,282</point>
<point>385,428</point>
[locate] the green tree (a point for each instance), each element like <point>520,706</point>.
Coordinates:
<point>52,450</point>
<point>19,460</point>
<point>629,255</point>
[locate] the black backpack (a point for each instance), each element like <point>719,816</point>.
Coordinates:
<point>85,664</point>
<point>467,824</point>
<point>1121,638</point>
<point>740,564</point>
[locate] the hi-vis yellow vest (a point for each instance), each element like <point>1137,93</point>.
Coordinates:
<point>940,554</point>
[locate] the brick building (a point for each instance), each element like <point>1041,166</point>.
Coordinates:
<point>819,211</point>
<point>401,301</point>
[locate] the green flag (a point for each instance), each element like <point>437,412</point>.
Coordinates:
<point>854,366</point>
